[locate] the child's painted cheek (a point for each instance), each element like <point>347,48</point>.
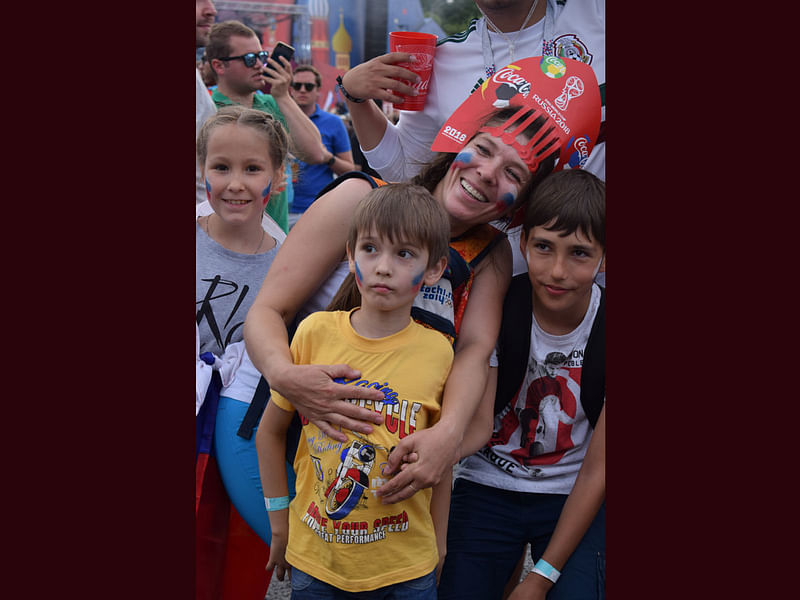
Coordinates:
<point>208,189</point>
<point>505,201</point>
<point>359,276</point>
<point>417,281</point>
<point>461,160</point>
<point>265,193</point>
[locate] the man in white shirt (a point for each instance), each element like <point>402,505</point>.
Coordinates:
<point>509,29</point>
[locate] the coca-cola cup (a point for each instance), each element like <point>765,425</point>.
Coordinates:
<point>422,46</point>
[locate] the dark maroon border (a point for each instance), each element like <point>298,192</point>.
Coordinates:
<point>116,431</point>
<point>690,236</point>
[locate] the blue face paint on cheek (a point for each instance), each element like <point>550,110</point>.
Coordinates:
<point>417,281</point>
<point>359,277</point>
<point>265,193</point>
<point>461,160</point>
<point>505,201</point>
<point>208,189</point>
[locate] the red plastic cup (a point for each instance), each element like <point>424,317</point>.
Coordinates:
<point>423,46</point>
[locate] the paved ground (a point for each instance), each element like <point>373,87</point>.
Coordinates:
<point>282,590</point>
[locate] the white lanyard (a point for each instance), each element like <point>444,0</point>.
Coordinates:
<point>548,46</point>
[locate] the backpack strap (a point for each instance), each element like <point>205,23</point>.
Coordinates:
<point>257,405</point>
<point>593,374</point>
<point>514,340</point>
<point>373,181</point>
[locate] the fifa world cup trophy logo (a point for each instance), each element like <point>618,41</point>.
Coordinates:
<point>572,89</point>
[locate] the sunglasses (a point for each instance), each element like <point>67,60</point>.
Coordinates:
<point>250,58</point>
<point>307,86</point>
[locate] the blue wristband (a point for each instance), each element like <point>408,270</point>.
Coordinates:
<point>276,503</point>
<point>546,570</point>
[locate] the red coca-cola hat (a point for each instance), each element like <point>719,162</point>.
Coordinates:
<point>562,90</point>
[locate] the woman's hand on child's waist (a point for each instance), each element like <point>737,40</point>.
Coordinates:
<point>314,393</point>
<point>436,451</point>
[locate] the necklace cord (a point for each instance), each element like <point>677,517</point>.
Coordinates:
<point>511,43</point>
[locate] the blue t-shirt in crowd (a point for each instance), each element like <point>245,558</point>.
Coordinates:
<point>312,178</point>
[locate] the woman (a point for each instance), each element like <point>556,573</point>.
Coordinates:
<point>489,178</point>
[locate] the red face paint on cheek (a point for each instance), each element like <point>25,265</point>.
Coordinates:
<point>417,281</point>
<point>265,193</point>
<point>208,190</point>
<point>505,201</point>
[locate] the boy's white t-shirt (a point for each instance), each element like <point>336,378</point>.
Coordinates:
<point>557,439</point>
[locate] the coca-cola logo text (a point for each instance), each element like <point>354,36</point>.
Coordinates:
<point>512,77</point>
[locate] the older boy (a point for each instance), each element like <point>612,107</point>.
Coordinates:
<point>336,535</point>
<point>515,487</point>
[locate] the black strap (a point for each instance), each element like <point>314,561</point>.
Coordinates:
<point>593,373</point>
<point>373,181</point>
<point>514,344</point>
<point>457,271</point>
<point>514,340</point>
<point>253,415</point>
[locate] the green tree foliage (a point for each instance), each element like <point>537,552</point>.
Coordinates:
<point>453,15</point>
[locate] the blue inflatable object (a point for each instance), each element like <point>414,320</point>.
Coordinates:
<point>238,466</point>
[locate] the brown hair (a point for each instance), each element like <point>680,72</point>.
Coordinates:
<point>397,211</point>
<point>310,69</point>
<point>265,123</point>
<point>571,200</point>
<point>218,38</point>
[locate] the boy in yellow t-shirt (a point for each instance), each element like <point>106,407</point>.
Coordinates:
<point>336,536</point>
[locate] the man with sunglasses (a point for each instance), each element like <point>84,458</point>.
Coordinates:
<point>311,178</point>
<point>242,69</point>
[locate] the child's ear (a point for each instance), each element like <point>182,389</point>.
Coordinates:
<point>602,268</point>
<point>434,273</point>
<point>351,264</point>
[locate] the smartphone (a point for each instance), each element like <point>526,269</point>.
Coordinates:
<point>281,49</point>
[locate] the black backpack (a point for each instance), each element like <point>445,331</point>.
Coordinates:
<point>514,342</point>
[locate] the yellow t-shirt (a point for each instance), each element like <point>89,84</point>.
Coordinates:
<point>339,531</point>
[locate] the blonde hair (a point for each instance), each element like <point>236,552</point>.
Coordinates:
<point>264,123</point>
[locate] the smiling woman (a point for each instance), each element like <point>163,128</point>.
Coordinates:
<point>507,150</point>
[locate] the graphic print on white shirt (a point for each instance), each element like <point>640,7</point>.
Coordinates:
<point>536,428</point>
<point>540,438</point>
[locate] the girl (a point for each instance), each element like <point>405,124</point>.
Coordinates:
<point>242,154</point>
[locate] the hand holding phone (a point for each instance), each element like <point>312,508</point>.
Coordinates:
<point>281,49</point>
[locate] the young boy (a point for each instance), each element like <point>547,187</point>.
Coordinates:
<point>336,535</point>
<point>551,389</point>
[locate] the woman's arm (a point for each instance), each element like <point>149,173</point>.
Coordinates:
<point>305,260</point>
<point>439,447</point>
<point>479,429</point>
<point>578,513</point>
<point>271,449</point>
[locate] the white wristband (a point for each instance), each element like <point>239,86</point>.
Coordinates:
<point>546,570</point>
